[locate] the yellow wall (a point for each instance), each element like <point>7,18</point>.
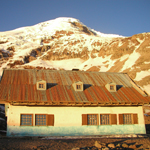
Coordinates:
<point>68,116</point>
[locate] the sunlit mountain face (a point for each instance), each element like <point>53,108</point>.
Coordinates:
<point>66,43</point>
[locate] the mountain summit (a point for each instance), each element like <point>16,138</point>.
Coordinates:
<point>66,43</point>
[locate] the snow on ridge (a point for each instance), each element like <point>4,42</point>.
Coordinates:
<point>50,27</point>
<point>60,19</point>
<point>42,24</point>
<point>108,35</point>
<point>45,29</point>
<point>26,37</point>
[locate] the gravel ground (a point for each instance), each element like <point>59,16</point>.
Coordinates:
<point>30,143</point>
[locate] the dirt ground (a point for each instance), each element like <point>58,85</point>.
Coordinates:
<point>30,143</point>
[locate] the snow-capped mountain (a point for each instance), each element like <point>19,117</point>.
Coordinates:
<point>66,43</point>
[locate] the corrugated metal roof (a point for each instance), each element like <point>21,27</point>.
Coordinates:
<point>19,87</point>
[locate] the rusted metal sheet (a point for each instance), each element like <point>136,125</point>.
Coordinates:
<point>141,98</point>
<point>111,98</point>
<point>128,95</point>
<point>70,94</point>
<point>132,95</point>
<point>99,93</point>
<point>88,95</point>
<point>121,94</point>
<point>97,96</point>
<point>19,86</point>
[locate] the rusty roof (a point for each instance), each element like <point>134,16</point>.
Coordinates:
<point>18,86</point>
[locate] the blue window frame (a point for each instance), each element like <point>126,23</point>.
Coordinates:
<point>40,120</point>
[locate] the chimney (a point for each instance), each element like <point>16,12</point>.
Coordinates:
<point>75,69</point>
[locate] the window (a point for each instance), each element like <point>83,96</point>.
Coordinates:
<point>92,119</point>
<point>26,120</point>
<point>128,119</point>
<point>41,85</point>
<point>112,87</point>
<point>104,119</point>
<point>44,120</point>
<point>78,86</point>
<point>108,119</point>
<point>40,120</point>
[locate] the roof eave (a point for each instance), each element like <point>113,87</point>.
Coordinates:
<point>57,103</point>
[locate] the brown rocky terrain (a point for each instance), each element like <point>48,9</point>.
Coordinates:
<point>84,143</point>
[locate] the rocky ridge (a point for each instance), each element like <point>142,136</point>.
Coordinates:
<point>66,43</point>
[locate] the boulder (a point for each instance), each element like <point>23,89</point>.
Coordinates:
<point>111,145</point>
<point>105,148</point>
<point>132,146</point>
<point>98,145</point>
<point>76,148</point>
<point>124,145</point>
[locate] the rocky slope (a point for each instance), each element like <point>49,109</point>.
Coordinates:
<point>66,43</point>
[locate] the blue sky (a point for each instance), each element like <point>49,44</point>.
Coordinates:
<point>123,17</point>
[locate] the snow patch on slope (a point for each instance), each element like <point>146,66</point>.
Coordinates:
<point>141,75</point>
<point>124,57</point>
<point>99,62</point>
<point>147,88</point>
<point>131,60</point>
<point>67,64</point>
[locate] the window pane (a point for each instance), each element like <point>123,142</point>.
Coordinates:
<point>127,119</point>
<point>78,86</point>
<point>41,85</point>
<point>105,119</point>
<point>26,120</point>
<point>40,120</point>
<point>111,87</point>
<point>92,119</point>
